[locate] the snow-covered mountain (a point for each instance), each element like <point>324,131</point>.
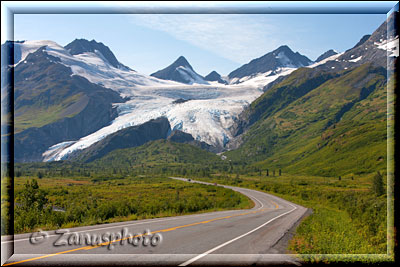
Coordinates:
<point>51,104</point>
<point>180,71</point>
<point>281,59</point>
<point>94,66</point>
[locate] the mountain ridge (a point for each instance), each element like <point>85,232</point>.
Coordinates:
<point>281,57</point>
<point>69,106</point>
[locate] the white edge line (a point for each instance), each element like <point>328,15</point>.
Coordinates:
<point>230,241</point>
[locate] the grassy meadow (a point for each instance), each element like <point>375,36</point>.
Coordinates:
<point>89,201</point>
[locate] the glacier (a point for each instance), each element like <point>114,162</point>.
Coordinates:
<point>208,114</point>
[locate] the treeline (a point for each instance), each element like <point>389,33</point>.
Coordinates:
<point>96,170</point>
<point>153,158</point>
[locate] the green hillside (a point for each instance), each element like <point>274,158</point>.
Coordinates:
<point>329,124</point>
<point>160,152</point>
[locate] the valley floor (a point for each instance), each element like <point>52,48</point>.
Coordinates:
<point>347,218</point>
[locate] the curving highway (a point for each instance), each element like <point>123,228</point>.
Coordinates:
<point>235,237</point>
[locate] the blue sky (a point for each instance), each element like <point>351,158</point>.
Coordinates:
<point>149,42</point>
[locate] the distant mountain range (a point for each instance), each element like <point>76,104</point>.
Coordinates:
<point>79,102</point>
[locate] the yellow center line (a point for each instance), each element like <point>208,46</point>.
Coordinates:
<point>276,205</point>
<point>122,239</point>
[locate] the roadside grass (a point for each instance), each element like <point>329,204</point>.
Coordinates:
<point>347,218</point>
<point>89,201</point>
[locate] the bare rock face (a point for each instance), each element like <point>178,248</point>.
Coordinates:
<point>178,136</point>
<point>214,77</point>
<point>129,137</point>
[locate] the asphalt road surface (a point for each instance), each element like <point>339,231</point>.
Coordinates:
<point>235,237</point>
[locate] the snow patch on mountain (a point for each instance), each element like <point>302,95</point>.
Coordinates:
<point>262,79</point>
<point>190,76</point>
<point>28,47</point>
<point>331,58</point>
<point>391,46</point>
<point>356,59</point>
<point>285,61</point>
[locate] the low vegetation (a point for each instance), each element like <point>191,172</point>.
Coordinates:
<point>57,202</point>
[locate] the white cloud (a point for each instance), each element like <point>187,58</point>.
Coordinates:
<point>236,37</point>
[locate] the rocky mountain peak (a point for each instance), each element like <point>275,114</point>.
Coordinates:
<point>182,62</point>
<point>214,77</point>
<point>180,71</point>
<point>80,46</point>
<point>325,55</point>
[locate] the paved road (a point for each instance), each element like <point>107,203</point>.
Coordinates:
<point>236,237</point>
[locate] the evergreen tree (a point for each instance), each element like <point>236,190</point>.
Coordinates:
<point>32,196</point>
<point>377,184</point>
